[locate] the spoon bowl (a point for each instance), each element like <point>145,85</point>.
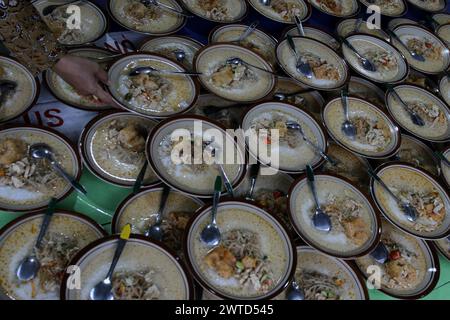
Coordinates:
<point>295,292</point>
<point>321,221</point>
<point>210,235</point>
<point>348,128</point>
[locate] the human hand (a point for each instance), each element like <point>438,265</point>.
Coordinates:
<point>85,76</point>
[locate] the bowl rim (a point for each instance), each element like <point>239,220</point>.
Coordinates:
<point>434,259</point>
<point>428,177</point>
<point>315,28</point>
<point>425,92</point>
<point>391,48</point>
<point>133,196</point>
<point>180,37</point>
<point>189,117</point>
<point>257,55</point>
<point>439,249</point>
<point>447,183</point>
<point>379,92</point>
<point>178,66</point>
<point>242,202</point>
<point>355,13</point>
<point>73,214</point>
<point>70,145</point>
<point>36,84</point>
<point>82,142</point>
<point>221,27</point>
<point>376,215</point>
<point>383,35</point>
<point>289,105</point>
<point>398,15</point>
<point>307,16</point>
<point>48,73</point>
<point>440,84</point>
<point>395,129</point>
<point>442,10</point>
<point>432,35</point>
<point>112,14</point>
<point>134,238</point>
<point>338,57</point>
<point>238,19</point>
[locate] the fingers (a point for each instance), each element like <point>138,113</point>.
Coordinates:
<point>102,75</point>
<point>104,96</point>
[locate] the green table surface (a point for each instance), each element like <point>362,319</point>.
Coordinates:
<point>103,199</point>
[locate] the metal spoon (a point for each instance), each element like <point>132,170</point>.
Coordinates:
<point>265,2</point>
<point>295,292</point>
<point>299,24</point>
<point>147,70</point>
<point>409,210</point>
<point>29,267</point>
<point>225,178</point>
<point>348,128</point>
<point>413,54</point>
<point>49,9</point>
<point>180,55</point>
<point>103,289</point>
<point>415,118</point>
<point>321,220</point>
<point>380,253</point>
<point>358,23</point>
<point>41,151</point>
<point>441,156</point>
<point>254,171</point>
<point>301,66</point>
<point>155,231</point>
<point>164,7</point>
<point>247,32</point>
<point>210,235</point>
<point>296,126</point>
<point>238,61</point>
<point>366,63</point>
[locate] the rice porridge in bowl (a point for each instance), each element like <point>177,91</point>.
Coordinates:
<point>293,152</point>
<point>326,278</point>
<point>390,8</point>
<point>236,82</point>
<point>254,260</point>
<point>258,41</point>
<point>429,5</point>
<point>441,18</point>
<point>186,156</point>
<point>376,134</point>
<point>18,87</point>
<point>337,8</point>
<point>444,88</point>
<point>399,21</point>
<point>390,65</point>
<point>113,147</point>
<point>443,246</point>
<point>412,267</point>
<point>156,94</point>
<point>316,34</point>
<point>445,168</point>
<point>355,225</point>
<point>419,189</point>
<point>146,270</point>
<point>423,42</point>
<point>93,23</point>
<point>222,11</point>
<point>443,32</point>
<point>329,70</point>
<point>431,109</point>
<point>67,234</point>
<point>148,19</point>
<point>27,184</point>
<point>283,10</point>
<point>171,46</point>
<point>140,211</point>
<point>350,26</point>
<point>66,93</point>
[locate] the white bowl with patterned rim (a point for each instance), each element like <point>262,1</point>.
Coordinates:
<point>222,11</point>
<point>381,140</point>
<point>429,5</point>
<point>423,191</point>
<point>28,185</point>
<point>341,9</point>
<point>445,169</point>
<point>390,8</point>
<point>283,11</point>
<point>165,276</point>
<point>399,21</point>
<point>415,258</point>
<point>316,34</point>
<point>68,233</point>
<point>441,18</point>
<point>331,72</point>
<point>443,32</point>
<point>154,95</point>
<point>242,83</point>
<point>434,112</point>
<point>292,152</point>
<point>348,26</point>
<point>135,16</point>
<point>436,54</point>
<point>378,51</point>
<point>23,96</point>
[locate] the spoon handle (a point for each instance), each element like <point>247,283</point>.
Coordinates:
<point>259,68</point>
<point>46,222</point>
<point>310,175</point>
<point>162,203</point>
<point>298,23</point>
<point>399,99</point>
<point>248,31</point>
<point>217,193</point>
<point>254,171</point>
<point>167,8</point>
<point>344,100</point>
<point>138,183</point>
<point>381,182</point>
<point>441,157</point>
<point>124,236</point>
<point>77,186</point>
<point>351,47</point>
<point>226,181</point>
<point>292,46</point>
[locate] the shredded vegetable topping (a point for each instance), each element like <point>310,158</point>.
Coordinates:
<point>319,286</point>
<point>135,285</point>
